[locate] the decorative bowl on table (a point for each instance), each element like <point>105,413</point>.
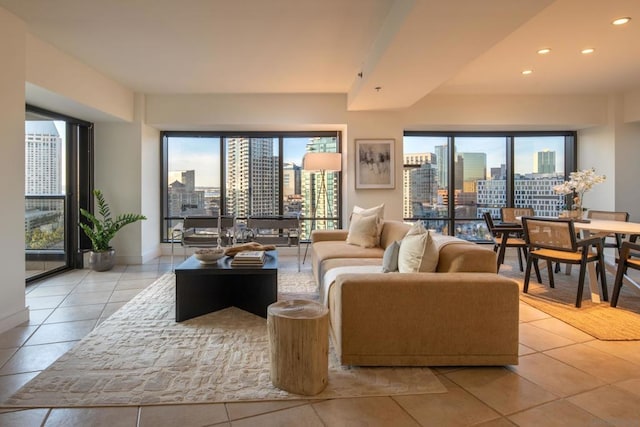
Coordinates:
<point>209,255</point>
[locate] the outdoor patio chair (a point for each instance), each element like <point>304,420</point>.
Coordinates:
<point>554,240</point>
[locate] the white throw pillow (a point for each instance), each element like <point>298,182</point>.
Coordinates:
<point>378,211</point>
<point>418,251</point>
<point>363,231</point>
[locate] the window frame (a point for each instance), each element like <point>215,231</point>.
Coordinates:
<point>570,161</point>
<point>222,136</point>
<point>79,188</point>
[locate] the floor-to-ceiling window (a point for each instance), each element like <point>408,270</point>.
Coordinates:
<point>57,171</point>
<point>247,174</point>
<point>451,178</point>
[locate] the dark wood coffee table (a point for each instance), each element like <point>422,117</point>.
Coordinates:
<point>203,288</point>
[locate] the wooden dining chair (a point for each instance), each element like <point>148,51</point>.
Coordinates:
<point>629,258</point>
<point>510,215</point>
<point>555,240</point>
<point>506,236</point>
<point>611,216</point>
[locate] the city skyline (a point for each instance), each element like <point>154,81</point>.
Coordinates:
<point>525,152</point>
<point>187,153</point>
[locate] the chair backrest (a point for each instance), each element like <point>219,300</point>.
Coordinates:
<point>204,222</point>
<point>609,215</point>
<point>489,221</point>
<point>510,214</point>
<point>273,222</point>
<point>549,233</point>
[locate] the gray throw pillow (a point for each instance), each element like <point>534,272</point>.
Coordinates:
<point>390,258</point>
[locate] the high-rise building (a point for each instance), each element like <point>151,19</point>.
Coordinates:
<point>442,161</point>
<point>43,158</point>
<point>189,180</point>
<point>43,176</point>
<point>420,190</point>
<point>291,188</point>
<point>323,202</point>
<point>184,199</point>
<point>251,177</point>
<point>291,174</point>
<point>529,192</point>
<point>544,161</point>
<point>420,158</point>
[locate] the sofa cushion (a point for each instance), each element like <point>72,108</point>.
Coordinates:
<point>364,231</point>
<point>461,256</point>
<point>390,257</point>
<point>418,251</point>
<point>393,230</point>
<point>378,211</point>
<point>332,274</point>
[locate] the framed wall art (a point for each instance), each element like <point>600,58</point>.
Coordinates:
<point>375,163</point>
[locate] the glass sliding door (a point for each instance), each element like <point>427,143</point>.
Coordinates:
<point>58,182</point>
<point>45,188</point>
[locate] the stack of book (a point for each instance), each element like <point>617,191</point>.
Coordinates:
<point>248,259</point>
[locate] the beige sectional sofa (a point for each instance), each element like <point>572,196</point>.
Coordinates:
<point>462,314</point>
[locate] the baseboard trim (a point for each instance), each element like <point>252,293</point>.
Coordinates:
<point>15,319</point>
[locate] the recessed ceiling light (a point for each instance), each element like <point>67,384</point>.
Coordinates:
<point>621,21</point>
<point>587,50</point>
<point>544,51</point>
<point>527,72</point>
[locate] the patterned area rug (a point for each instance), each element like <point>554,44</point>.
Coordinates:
<point>599,320</point>
<point>141,356</point>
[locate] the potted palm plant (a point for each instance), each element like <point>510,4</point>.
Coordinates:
<point>100,229</point>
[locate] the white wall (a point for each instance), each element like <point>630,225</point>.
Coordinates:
<point>596,147</point>
<point>506,112</point>
<point>66,80</point>
<point>149,185</point>
<point>632,106</point>
<point>12,263</point>
<point>246,112</point>
<point>118,175</point>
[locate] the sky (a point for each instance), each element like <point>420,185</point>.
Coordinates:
<point>495,147</point>
<point>200,153</point>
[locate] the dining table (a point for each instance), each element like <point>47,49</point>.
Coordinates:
<point>603,228</point>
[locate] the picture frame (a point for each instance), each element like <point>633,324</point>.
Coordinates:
<point>375,163</point>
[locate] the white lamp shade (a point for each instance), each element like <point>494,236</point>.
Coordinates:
<point>322,162</point>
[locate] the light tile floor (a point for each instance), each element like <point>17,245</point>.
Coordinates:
<point>565,377</point>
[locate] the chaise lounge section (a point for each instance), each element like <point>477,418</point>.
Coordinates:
<point>464,313</point>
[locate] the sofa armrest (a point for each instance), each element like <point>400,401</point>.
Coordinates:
<point>328,235</point>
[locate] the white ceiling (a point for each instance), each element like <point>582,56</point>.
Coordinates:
<point>408,48</point>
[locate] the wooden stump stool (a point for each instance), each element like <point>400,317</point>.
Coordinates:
<point>299,344</point>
